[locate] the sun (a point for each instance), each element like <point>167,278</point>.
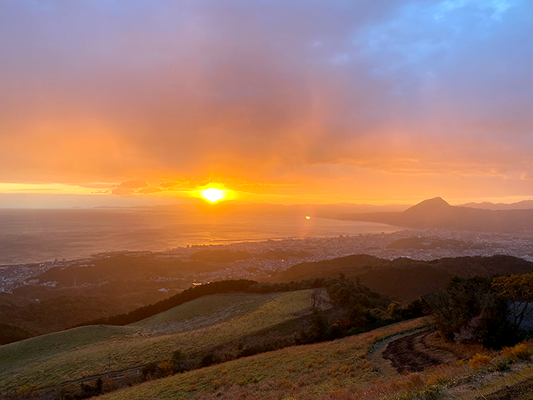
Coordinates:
<point>213,195</point>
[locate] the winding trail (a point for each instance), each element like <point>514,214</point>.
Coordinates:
<point>413,353</point>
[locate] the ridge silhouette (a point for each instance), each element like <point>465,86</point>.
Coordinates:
<point>437,213</point>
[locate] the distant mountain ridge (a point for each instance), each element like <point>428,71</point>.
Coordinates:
<point>437,213</point>
<point>521,205</point>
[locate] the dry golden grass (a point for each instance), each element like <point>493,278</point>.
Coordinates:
<point>342,370</point>
<point>479,361</point>
<point>520,351</point>
<point>300,371</point>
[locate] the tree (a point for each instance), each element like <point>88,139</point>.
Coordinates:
<point>177,358</point>
<point>319,330</point>
<point>471,310</point>
<point>517,290</point>
<point>149,370</point>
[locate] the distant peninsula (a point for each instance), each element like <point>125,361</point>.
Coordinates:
<point>437,213</point>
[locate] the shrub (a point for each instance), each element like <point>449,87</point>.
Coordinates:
<point>224,381</point>
<point>26,390</point>
<point>165,368</point>
<point>507,351</point>
<point>521,352</point>
<point>177,359</point>
<point>345,369</point>
<point>284,383</point>
<point>207,360</point>
<point>435,380</point>
<point>479,361</point>
<point>149,370</point>
<point>502,366</point>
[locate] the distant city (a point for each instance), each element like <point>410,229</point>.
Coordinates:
<point>429,244</point>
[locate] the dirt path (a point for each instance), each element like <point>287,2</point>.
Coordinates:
<point>414,353</point>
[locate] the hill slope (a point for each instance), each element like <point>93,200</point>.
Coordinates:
<point>293,372</point>
<point>350,368</point>
<point>192,327</point>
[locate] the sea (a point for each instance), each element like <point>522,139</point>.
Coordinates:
<point>33,236</point>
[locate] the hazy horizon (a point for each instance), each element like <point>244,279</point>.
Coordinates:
<point>31,236</point>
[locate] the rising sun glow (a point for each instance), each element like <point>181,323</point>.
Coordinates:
<point>213,195</point>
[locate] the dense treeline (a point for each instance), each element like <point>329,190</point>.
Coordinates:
<point>339,290</point>
<point>12,333</point>
<point>417,277</point>
<point>494,312</point>
<point>360,309</point>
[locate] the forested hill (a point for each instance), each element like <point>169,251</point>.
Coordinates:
<point>417,277</point>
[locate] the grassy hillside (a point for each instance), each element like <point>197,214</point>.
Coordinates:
<point>348,368</point>
<point>205,311</point>
<point>20,355</point>
<point>191,327</point>
<point>289,373</point>
<point>195,292</point>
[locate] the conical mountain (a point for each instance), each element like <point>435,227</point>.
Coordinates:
<point>437,213</point>
<point>436,205</point>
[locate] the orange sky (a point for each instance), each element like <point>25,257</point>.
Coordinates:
<point>279,101</point>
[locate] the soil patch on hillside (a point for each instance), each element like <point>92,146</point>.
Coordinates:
<point>414,353</point>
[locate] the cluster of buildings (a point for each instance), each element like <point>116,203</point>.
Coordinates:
<point>261,265</point>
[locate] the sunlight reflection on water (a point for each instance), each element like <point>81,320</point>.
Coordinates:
<point>43,235</point>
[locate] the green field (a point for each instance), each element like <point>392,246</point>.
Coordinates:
<point>205,322</point>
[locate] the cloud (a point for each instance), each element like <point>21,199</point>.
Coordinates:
<point>168,185</point>
<point>263,91</point>
<point>122,191</point>
<point>96,185</point>
<point>148,190</point>
<point>134,184</point>
<point>128,188</point>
